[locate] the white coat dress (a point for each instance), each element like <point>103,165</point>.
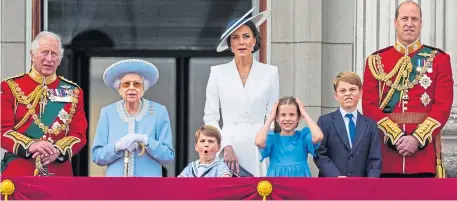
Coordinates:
<point>243,108</point>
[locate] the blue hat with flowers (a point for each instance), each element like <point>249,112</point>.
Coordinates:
<point>123,67</point>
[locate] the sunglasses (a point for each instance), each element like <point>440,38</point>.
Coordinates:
<point>134,83</point>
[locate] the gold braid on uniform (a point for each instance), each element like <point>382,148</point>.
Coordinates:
<point>402,69</point>
<point>19,140</point>
<point>65,144</point>
<point>391,130</point>
<point>32,100</point>
<point>423,132</point>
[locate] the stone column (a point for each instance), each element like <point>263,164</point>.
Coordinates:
<point>12,36</point>
<point>375,30</point>
<point>311,41</point>
<point>296,46</point>
<point>337,47</point>
<point>446,22</point>
<point>13,23</point>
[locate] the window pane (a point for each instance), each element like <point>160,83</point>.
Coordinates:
<point>199,74</point>
<point>146,24</point>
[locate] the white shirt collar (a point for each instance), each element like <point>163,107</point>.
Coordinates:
<point>354,113</point>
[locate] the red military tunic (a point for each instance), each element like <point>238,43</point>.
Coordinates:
<point>427,96</point>
<point>25,119</point>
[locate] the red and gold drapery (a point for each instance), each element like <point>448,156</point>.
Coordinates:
<point>100,188</point>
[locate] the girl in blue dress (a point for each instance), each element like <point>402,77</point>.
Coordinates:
<point>288,148</point>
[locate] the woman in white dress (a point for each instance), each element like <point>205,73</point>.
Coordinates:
<point>244,90</point>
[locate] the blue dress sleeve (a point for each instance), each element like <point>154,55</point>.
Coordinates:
<point>103,153</point>
<point>309,141</point>
<point>266,151</point>
<point>161,144</point>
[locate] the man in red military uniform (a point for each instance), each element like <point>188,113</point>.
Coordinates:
<point>43,121</point>
<point>408,90</point>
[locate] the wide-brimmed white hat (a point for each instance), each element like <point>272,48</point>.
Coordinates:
<point>138,66</point>
<point>236,23</point>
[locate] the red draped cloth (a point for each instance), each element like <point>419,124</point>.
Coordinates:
<point>101,188</point>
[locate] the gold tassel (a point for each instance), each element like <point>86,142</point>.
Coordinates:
<point>440,171</point>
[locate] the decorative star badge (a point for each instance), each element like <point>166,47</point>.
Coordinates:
<point>56,125</point>
<point>425,81</point>
<point>425,99</point>
<point>63,116</point>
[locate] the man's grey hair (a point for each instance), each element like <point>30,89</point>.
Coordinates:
<point>146,84</point>
<point>43,34</point>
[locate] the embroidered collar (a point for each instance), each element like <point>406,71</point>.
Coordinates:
<point>37,77</point>
<point>126,117</point>
<point>409,49</point>
<point>210,166</point>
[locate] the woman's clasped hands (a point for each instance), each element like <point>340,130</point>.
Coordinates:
<point>131,142</point>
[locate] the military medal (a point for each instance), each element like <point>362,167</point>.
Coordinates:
<point>425,99</point>
<point>419,66</point>
<point>56,125</point>
<point>61,95</point>
<point>63,115</point>
<point>430,70</point>
<point>425,81</point>
<point>65,86</point>
<point>424,54</point>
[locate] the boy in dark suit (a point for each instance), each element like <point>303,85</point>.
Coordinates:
<point>351,146</point>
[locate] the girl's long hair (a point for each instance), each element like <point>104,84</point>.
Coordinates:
<point>287,100</point>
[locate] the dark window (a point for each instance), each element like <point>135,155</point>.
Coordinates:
<point>147,24</point>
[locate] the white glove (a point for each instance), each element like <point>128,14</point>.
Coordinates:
<point>141,138</point>
<point>133,147</point>
<point>124,143</point>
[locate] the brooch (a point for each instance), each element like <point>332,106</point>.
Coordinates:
<point>425,81</point>
<point>56,126</point>
<point>63,115</point>
<point>152,110</point>
<point>424,54</point>
<point>65,86</point>
<point>425,99</point>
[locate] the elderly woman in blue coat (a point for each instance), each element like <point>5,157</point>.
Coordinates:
<point>133,136</point>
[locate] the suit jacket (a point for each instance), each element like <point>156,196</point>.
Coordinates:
<point>335,156</point>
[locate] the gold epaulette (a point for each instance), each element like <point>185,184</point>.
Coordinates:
<point>437,49</point>
<point>382,50</point>
<point>69,81</point>
<point>16,76</point>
